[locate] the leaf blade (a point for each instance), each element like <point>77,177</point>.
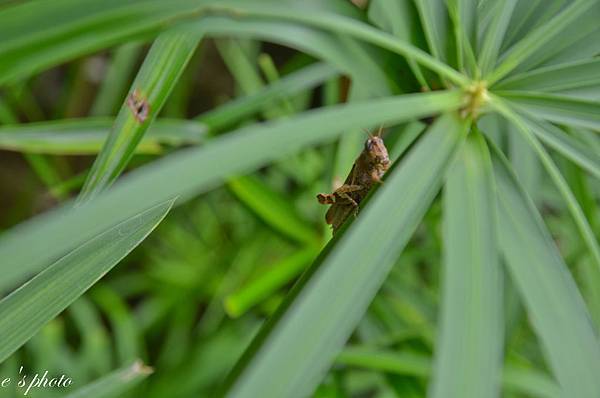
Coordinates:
<point>86,136</point>
<point>156,79</point>
<point>557,108</point>
<point>558,313</point>
<point>539,37</point>
<point>28,308</point>
<point>313,319</point>
<point>31,245</point>
<point>115,383</point>
<point>470,339</point>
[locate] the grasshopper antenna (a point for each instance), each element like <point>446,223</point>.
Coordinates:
<point>380,131</point>
<point>368,133</point>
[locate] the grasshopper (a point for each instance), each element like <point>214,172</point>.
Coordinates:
<point>368,168</point>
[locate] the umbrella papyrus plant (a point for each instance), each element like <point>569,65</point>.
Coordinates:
<point>497,90</point>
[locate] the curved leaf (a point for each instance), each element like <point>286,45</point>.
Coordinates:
<point>27,309</point>
<point>34,244</point>
<point>156,78</point>
<point>555,306</point>
<point>540,36</point>
<point>86,136</point>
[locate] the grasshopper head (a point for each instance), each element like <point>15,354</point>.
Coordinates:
<point>377,152</point>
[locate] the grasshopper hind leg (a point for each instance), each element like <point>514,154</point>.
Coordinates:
<point>326,198</point>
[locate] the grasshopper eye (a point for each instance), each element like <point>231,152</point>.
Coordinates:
<point>368,145</point>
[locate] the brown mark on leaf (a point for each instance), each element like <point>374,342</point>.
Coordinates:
<point>138,105</point>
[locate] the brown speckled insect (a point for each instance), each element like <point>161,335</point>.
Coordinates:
<point>138,105</point>
<point>369,167</point>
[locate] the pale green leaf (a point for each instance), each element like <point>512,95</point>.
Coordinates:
<point>156,78</point>
<point>272,207</point>
<point>556,108</point>
<point>326,304</point>
<point>86,136</point>
<point>470,329</point>
<point>541,36</point>
<point>551,297</point>
<point>34,244</point>
<point>231,112</point>
<point>114,384</point>
<point>27,309</point>
<point>492,41</point>
<point>555,78</point>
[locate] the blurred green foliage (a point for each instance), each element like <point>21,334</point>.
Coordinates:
<point>473,271</point>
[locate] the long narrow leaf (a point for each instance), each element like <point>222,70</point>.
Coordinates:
<point>35,243</point>
<point>27,309</point>
<point>552,299</point>
<point>578,152</point>
<point>539,37</point>
<point>231,112</point>
<point>116,80</point>
<point>330,299</point>
<point>470,339</point>
<point>272,207</point>
<point>86,136</point>
<point>15,63</point>
<point>114,384</point>
<point>495,34</point>
<point>435,22</point>
<point>158,75</point>
<point>574,208</point>
<point>523,380</point>
<point>557,108</point>
<point>399,18</point>
<point>556,77</point>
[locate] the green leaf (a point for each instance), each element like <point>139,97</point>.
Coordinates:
<point>95,342</point>
<point>297,12</point>
<point>332,296</point>
<point>574,208</point>
<point>27,309</point>
<point>158,75</point>
<point>115,81</point>
<point>123,325</point>
<point>524,161</point>
<point>520,21</point>
<point>115,383</point>
<point>555,78</point>
<point>524,380</point>
<point>113,22</point>
<point>556,108</point>
<point>552,299</point>
<point>436,25</point>
<point>231,112</point>
<point>540,37</point>
<point>404,362</point>
<point>272,208</point>
<point>86,136</point>
<point>494,35</point>
<point>530,383</point>
<point>32,245</point>
<point>345,54</point>
<point>399,18</point>
<point>263,287</point>
<point>462,13</point>
<point>38,35</point>
<point>243,69</point>
<point>578,43</point>
<point>470,332</point>
<point>591,93</point>
<point>578,152</point>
